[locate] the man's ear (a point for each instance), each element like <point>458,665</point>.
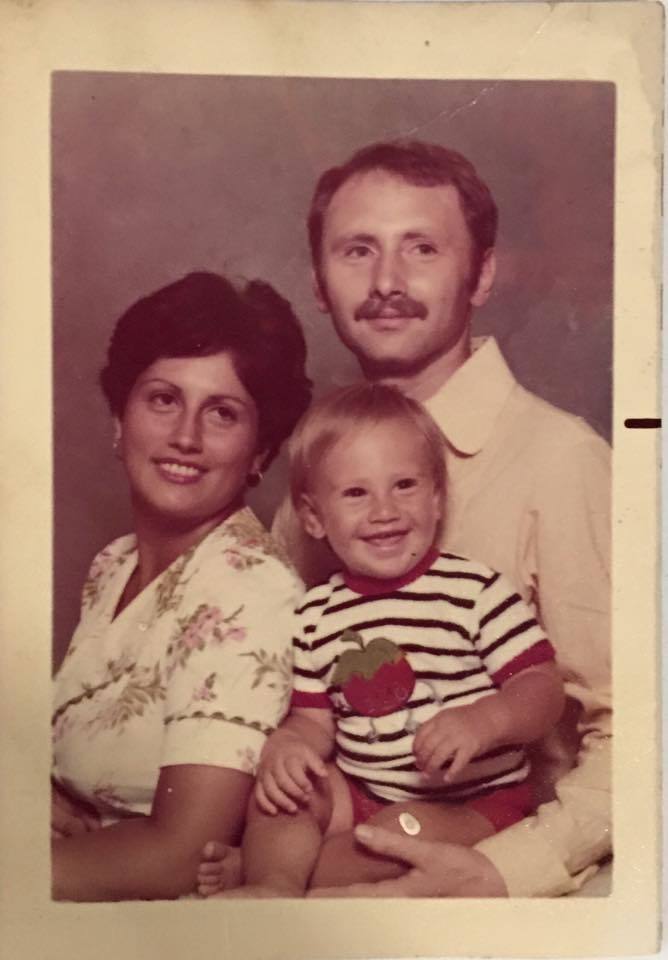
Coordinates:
<point>486,276</point>
<point>319,291</point>
<point>308,515</point>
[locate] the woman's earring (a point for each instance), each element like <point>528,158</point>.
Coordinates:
<point>117,447</point>
<point>254,478</point>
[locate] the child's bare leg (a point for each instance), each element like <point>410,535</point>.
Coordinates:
<point>342,861</point>
<point>279,851</point>
<point>220,868</point>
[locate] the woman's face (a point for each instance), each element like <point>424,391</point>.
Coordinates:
<point>188,439</point>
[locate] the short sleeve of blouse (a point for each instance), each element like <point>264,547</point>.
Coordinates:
<point>228,664</point>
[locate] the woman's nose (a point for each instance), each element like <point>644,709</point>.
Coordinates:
<point>187,432</point>
<point>388,277</point>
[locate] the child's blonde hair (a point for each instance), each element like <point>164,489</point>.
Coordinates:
<point>362,405</point>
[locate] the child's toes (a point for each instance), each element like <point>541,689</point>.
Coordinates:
<point>209,888</point>
<point>214,850</point>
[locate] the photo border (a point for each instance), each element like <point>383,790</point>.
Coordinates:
<point>618,42</point>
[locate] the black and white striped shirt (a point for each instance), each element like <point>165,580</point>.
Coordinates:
<point>458,631</point>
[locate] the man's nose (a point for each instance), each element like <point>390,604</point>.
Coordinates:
<point>388,277</point>
<point>187,431</point>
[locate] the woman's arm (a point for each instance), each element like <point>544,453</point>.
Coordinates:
<point>154,857</point>
<point>70,816</point>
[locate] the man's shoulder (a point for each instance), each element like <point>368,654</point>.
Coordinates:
<point>543,424</point>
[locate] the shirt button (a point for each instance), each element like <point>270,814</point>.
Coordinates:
<point>143,627</point>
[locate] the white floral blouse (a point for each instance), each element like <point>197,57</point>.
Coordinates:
<point>196,669</point>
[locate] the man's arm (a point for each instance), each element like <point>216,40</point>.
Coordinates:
<point>547,854</point>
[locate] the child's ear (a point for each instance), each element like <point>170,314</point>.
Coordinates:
<point>308,515</point>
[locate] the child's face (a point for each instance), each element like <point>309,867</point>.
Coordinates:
<point>373,497</point>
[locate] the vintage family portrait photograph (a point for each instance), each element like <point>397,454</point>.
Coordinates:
<point>342,445</point>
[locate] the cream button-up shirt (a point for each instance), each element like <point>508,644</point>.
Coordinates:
<point>529,491</point>
<point>529,494</point>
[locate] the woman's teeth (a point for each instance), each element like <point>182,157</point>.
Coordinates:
<point>180,469</point>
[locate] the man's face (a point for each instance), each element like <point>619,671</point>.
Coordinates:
<point>396,272</point>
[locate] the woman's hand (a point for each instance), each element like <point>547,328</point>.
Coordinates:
<point>69,818</point>
<point>283,779</point>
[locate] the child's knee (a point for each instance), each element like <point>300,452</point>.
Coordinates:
<point>390,817</point>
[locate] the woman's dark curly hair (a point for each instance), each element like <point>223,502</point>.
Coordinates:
<point>203,314</point>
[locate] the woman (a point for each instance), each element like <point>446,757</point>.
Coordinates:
<point>180,665</point>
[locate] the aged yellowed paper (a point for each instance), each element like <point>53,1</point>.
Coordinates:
<point>615,43</point>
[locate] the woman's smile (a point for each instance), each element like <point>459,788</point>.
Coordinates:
<point>176,471</point>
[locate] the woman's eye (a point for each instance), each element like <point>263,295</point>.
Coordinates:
<point>161,399</point>
<point>225,414</point>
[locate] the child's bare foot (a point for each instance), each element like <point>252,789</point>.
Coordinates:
<point>219,869</point>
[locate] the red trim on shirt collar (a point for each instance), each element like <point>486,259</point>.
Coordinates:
<point>372,585</point>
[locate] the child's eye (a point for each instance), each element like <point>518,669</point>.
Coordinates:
<point>406,483</point>
<point>354,492</point>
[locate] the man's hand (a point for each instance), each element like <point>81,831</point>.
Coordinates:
<point>456,735</point>
<point>283,774</point>
<point>436,869</point>
<point>69,818</point>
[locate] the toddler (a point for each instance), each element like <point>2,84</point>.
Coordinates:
<point>418,673</point>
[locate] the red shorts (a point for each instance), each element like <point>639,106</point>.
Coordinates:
<point>502,807</point>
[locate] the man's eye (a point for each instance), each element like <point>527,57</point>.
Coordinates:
<point>425,249</point>
<point>354,492</point>
<point>357,252</point>
<point>406,483</point>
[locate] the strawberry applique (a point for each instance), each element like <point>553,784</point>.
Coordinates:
<point>375,679</point>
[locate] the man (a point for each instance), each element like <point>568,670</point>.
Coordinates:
<point>402,239</point>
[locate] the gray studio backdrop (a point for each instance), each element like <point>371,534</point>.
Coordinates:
<point>158,175</point>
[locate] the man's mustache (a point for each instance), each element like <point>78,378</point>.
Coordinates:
<point>389,307</point>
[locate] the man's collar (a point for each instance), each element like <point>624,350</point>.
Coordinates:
<point>468,404</point>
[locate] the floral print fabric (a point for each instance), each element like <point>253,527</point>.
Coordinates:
<point>197,669</point>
